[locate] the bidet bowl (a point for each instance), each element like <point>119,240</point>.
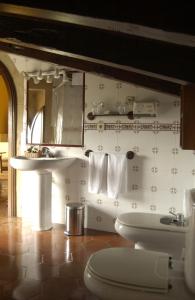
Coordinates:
<point>23,163</point>
<point>147,232</point>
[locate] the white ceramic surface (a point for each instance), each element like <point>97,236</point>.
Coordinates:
<point>109,290</point>
<point>41,178</point>
<point>23,163</point>
<point>108,272</point>
<point>148,233</point>
<point>41,208</point>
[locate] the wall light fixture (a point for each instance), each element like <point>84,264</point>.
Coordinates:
<point>49,76</point>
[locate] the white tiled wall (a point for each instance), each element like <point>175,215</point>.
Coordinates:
<point>159,172</point>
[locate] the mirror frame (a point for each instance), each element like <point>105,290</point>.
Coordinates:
<point>26,86</point>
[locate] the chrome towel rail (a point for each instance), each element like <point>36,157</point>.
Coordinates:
<point>129,154</point>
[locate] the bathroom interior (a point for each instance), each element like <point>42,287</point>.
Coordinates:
<point>49,150</point>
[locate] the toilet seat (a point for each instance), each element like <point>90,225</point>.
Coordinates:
<point>120,273</point>
<point>130,269</point>
<point>146,221</point>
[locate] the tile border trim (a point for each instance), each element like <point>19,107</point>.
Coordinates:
<point>137,126</point>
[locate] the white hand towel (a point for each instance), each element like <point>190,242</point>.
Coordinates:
<point>116,175</point>
<point>97,173</point>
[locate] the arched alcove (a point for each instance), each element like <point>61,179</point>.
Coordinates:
<point>12,110</point>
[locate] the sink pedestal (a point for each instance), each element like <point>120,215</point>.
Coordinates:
<point>41,184</point>
<point>41,214</point>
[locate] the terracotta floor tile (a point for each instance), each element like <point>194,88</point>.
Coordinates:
<point>47,265</point>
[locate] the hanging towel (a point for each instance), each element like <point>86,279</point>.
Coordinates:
<point>116,175</point>
<point>97,181</point>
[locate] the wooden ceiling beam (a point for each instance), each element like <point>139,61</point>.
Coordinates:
<point>155,14</point>
<point>149,55</point>
<point>137,56</point>
<point>111,71</point>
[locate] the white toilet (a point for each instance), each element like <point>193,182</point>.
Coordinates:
<point>124,273</point>
<point>146,230</point>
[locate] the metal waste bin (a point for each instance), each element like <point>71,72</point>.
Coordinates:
<point>74,219</point>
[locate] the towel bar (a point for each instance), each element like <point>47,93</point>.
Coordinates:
<point>129,154</point>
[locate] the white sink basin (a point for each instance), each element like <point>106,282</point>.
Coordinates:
<point>42,163</point>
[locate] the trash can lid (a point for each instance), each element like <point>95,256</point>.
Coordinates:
<point>75,205</point>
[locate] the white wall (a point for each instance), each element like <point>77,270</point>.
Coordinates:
<point>159,172</point>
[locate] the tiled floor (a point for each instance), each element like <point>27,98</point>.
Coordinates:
<point>3,207</point>
<point>47,265</point>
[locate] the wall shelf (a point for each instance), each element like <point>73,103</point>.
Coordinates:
<point>92,116</point>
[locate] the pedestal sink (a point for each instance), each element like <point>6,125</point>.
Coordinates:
<point>42,163</point>
<point>41,177</point>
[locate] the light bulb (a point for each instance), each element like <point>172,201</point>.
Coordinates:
<point>36,80</point>
<point>26,76</point>
<point>40,76</point>
<point>64,77</point>
<point>57,74</point>
<point>49,79</point>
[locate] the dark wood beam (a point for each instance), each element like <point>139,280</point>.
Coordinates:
<point>85,65</point>
<point>149,55</point>
<point>187,140</point>
<point>156,14</point>
<point>63,13</point>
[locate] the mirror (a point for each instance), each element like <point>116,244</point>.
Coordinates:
<point>55,108</point>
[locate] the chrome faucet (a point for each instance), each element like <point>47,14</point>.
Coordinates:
<point>46,152</point>
<point>179,218</point>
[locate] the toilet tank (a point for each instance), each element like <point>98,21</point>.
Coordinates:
<point>189,262</point>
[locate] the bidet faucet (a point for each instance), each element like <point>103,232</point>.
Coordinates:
<point>179,218</point>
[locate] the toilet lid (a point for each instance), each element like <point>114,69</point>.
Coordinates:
<point>135,269</point>
<point>147,221</point>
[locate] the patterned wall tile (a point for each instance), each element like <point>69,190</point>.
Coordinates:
<point>173,190</point>
<point>160,170</point>
<point>172,209</point>
<point>155,150</point>
<point>99,201</point>
<point>134,205</point>
<point>116,203</point>
<point>83,200</point>
<point>175,151</point>
<point>153,207</point>
<point>135,168</point>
